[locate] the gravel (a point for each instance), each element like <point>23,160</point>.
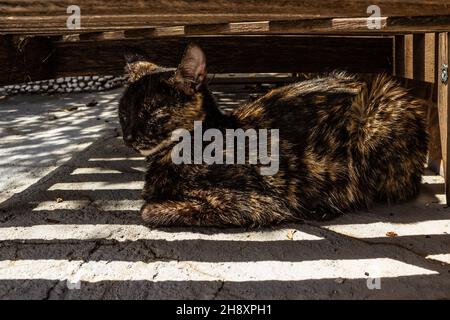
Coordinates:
<point>65,85</point>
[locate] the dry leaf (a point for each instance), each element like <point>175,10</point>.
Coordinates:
<point>290,234</point>
<point>72,108</point>
<point>93,103</point>
<point>391,234</point>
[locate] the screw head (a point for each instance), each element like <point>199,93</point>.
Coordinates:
<point>444,73</point>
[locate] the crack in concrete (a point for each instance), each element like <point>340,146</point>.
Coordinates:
<point>219,290</point>
<point>51,289</point>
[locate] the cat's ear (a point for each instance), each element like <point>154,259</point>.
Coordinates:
<point>137,64</point>
<point>133,55</point>
<point>191,72</point>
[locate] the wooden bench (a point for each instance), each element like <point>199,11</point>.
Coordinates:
<point>245,37</point>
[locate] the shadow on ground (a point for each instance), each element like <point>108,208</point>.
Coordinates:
<point>76,233</point>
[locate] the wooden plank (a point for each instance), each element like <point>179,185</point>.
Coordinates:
<point>213,25</point>
<point>388,25</point>
<point>404,46</point>
<point>399,56</point>
<point>443,109</point>
<point>344,16</point>
<point>355,26</point>
<point>324,8</point>
<point>98,36</point>
<point>176,31</point>
<point>232,54</point>
<point>415,57</point>
<point>409,57</point>
<point>321,26</point>
<point>258,27</point>
<point>430,58</point>
<point>25,59</point>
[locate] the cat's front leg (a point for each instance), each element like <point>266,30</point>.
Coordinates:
<point>161,183</point>
<point>179,213</point>
<point>217,207</point>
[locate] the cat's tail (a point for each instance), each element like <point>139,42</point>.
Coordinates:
<point>388,126</point>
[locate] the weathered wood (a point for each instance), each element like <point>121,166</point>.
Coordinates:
<point>388,25</point>
<point>424,57</point>
<point>229,54</point>
<point>409,56</point>
<point>25,59</point>
<point>102,15</point>
<point>155,32</point>
<point>258,27</point>
<point>214,25</point>
<point>236,54</point>
<point>403,61</point>
<point>325,8</point>
<point>399,56</point>
<point>415,57</point>
<point>97,36</point>
<point>443,108</point>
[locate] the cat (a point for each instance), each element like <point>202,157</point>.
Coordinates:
<point>343,145</point>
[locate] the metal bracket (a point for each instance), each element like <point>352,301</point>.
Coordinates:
<point>444,73</point>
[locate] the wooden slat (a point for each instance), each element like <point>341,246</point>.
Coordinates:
<point>428,64</point>
<point>155,32</point>
<point>389,25</point>
<point>443,109</point>
<point>409,56</point>
<point>403,56</point>
<point>259,27</point>
<point>230,54</point>
<point>237,54</point>
<point>324,8</point>
<point>356,26</point>
<point>399,56</point>
<point>341,16</point>
<point>415,57</point>
<point>97,36</point>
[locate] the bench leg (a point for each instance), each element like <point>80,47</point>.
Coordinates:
<point>443,107</point>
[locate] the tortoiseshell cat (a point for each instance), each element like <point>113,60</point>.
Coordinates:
<point>343,145</point>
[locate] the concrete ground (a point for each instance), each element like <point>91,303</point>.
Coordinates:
<point>69,226</point>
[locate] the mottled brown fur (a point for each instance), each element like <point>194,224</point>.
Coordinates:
<point>344,144</point>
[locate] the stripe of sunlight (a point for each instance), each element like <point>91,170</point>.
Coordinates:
<point>96,170</point>
<point>100,170</point>
<point>98,185</point>
<point>103,205</point>
<point>93,271</point>
<point>432,179</point>
<point>379,229</point>
<point>119,159</point>
<point>445,257</point>
<point>128,232</point>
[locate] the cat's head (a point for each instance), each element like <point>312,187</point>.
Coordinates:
<point>159,100</point>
